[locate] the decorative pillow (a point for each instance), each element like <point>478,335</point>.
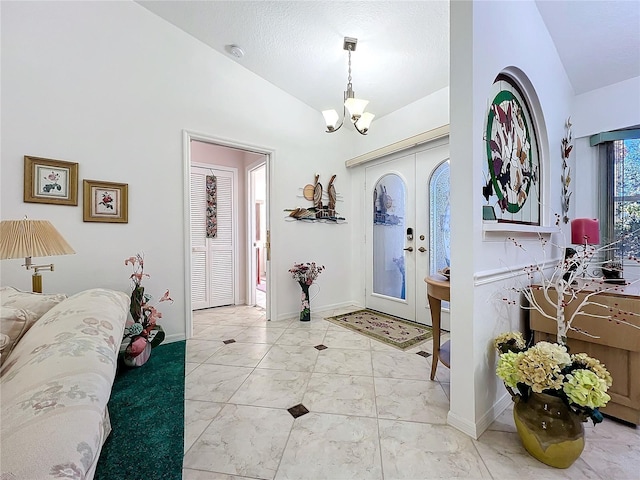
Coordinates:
<point>36,303</point>
<point>14,323</point>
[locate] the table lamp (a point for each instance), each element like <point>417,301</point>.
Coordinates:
<point>585,231</point>
<point>32,238</point>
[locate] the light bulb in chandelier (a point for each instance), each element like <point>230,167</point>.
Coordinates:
<point>355,106</point>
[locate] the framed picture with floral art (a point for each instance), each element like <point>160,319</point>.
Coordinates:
<point>105,202</point>
<point>50,181</point>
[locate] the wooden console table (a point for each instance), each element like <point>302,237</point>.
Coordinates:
<point>618,345</point>
<point>438,290</point>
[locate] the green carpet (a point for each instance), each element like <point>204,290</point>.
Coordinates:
<point>147,417</point>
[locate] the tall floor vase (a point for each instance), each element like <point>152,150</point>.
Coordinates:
<point>305,306</point>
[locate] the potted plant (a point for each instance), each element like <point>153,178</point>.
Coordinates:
<point>142,330</point>
<point>555,391</point>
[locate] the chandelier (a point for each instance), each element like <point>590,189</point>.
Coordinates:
<point>360,119</point>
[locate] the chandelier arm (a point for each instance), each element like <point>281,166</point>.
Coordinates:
<point>335,129</point>
<point>361,132</point>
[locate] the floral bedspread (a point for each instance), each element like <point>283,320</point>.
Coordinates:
<point>55,387</point>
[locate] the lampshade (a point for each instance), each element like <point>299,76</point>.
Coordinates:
<point>356,107</point>
<point>31,238</point>
<point>331,119</point>
<point>585,231</point>
<point>364,121</point>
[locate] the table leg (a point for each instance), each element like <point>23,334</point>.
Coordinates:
<point>435,307</point>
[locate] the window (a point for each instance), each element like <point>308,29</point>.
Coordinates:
<point>621,207</point>
<point>626,197</point>
<point>439,219</point>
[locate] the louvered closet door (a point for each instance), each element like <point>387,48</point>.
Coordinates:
<point>212,259</point>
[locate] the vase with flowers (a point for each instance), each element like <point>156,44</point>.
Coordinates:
<point>554,393</point>
<point>142,330</point>
<point>305,274</point>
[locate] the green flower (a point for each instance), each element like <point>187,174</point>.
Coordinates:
<point>507,368</point>
<point>585,388</point>
<point>585,361</point>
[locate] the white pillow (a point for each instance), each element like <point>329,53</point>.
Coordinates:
<point>14,323</point>
<point>36,303</point>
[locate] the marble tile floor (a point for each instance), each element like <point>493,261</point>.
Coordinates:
<point>373,413</point>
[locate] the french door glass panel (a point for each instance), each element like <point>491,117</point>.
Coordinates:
<point>440,218</point>
<point>398,196</point>
<point>389,199</point>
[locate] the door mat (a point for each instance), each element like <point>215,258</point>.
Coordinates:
<point>393,331</point>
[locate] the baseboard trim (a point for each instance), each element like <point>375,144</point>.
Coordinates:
<point>474,430</point>
<point>462,424</point>
<point>174,337</point>
<point>494,412</point>
<point>323,309</point>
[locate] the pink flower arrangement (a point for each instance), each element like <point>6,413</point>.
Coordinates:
<point>305,273</point>
<point>144,315</point>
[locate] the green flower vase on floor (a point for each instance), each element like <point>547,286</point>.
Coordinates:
<point>305,308</point>
<point>549,430</point>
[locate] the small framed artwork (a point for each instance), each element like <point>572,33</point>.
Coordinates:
<point>50,181</point>
<point>105,202</point>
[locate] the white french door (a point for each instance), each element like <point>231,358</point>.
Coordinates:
<point>398,225</point>
<point>213,262</point>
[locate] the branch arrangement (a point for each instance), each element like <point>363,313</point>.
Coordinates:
<point>565,284</point>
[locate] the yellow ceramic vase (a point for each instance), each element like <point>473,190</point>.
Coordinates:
<point>549,430</point>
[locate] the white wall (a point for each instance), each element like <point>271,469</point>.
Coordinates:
<point>420,116</point>
<point>111,86</point>
<point>488,37</point>
<point>609,108</point>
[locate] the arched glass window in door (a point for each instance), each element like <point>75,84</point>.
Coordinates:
<point>439,219</point>
<point>389,199</point>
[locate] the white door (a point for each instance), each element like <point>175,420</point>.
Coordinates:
<point>398,232</point>
<point>213,271</point>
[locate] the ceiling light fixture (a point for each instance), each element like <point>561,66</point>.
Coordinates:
<point>360,119</point>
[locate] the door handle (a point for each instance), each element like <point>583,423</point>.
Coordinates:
<point>408,249</point>
<point>422,249</point>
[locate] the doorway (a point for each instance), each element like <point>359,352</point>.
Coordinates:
<point>257,234</point>
<point>406,230</point>
<point>225,181</point>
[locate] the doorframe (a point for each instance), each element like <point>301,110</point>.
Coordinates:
<point>250,284</point>
<point>269,153</point>
<point>414,149</point>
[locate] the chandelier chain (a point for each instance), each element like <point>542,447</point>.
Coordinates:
<point>349,79</point>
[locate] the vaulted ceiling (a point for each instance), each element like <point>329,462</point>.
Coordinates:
<point>402,53</point>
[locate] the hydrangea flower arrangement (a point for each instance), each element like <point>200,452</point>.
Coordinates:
<point>579,380</point>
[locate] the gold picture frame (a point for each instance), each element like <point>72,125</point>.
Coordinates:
<point>50,181</point>
<point>105,202</point>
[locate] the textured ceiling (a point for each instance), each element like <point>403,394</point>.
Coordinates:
<point>402,53</point>
<point>598,42</point>
<point>403,47</point>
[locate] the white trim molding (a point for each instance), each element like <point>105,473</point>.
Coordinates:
<point>498,274</point>
<point>419,139</point>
